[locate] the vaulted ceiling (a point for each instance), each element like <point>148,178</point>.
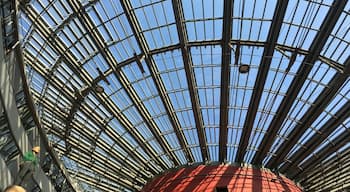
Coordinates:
<point>129,89</point>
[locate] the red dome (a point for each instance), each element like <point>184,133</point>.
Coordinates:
<point>220,178</point>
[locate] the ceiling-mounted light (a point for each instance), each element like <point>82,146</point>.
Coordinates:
<point>99,89</point>
<point>243,68</point>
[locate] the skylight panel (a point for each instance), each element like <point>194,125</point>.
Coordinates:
<point>302,21</point>
<point>114,27</point>
<point>252,19</point>
<point>24,25</point>
<point>203,20</point>
<point>338,43</point>
<point>157,21</point>
<point>125,49</point>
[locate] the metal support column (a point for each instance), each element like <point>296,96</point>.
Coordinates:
<point>7,98</point>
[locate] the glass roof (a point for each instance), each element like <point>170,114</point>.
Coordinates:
<point>173,94</point>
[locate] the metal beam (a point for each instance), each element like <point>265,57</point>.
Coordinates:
<point>284,48</point>
<point>264,67</point>
<point>100,44</point>
<point>69,59</point>
<point>310,116</point>
<point>315,49</point>
<point>191,82</point>
<point>339,117</point>
<point>225,76</point>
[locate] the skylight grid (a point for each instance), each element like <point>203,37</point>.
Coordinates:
<point>337,153</point>
<point>197,154</point>
<point>340,99</point>
<point>181,156</point>
<point>172,73</point>
<point>320,121</point>
<point>316,82</point>
<point>127,108</point>
<point>145,87</point>
<point>37,82</point>
<point>114,28</point>
<point>51,94</point>
<point>49,11</point>
<point>97,107</point>
<point>302,21</point>
<point>56,12</point>
<point>279,79</point>
<point>203,20</point>
<point>64,74</point>
<point>95,63</point>
<point>80,47</point>
<point>207,71</point>
<point>96,170</point>
<point>45,55</point>
<point>329,113</point>
<point>252,19</point>
<point>130,129</point>
<point>108,10</point>
<point>55,95</point>
<point>241,88</point>
<point>123,49</point>
<point>157,22</point>
<point>121,99</point>
<point>24,25</point>
<point>167,160</point>
<point>41,51</point>
<point>116,93</point>
<point>337,46</point>
<point>340,130</point>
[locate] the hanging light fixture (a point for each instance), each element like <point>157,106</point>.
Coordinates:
<point>99,89</point>
<point>243,68</point>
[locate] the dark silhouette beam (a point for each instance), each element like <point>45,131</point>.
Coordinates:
<point>191,82</point>
<point>225,77</point>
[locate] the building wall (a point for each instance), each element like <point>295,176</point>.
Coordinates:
<point>208,178</point>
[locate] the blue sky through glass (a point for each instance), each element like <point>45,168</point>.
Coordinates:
<point>69,61</point>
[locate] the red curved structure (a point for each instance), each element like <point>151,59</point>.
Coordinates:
<point>220,178</point>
